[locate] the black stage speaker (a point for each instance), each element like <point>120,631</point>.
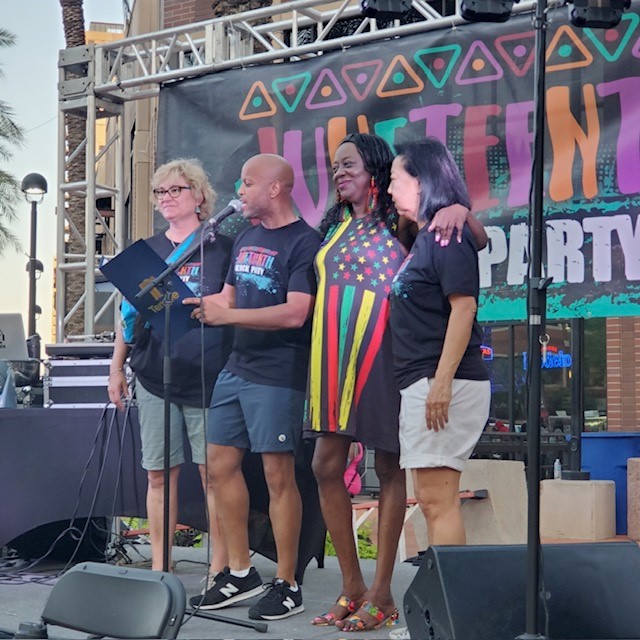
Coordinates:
<point>56,542</point>
<point>479,592</point>
<point>117,602</point>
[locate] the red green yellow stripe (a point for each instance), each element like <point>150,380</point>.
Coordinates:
<point>372,350</point>
<point>348,386</point>
<point>317,334</point>
<point>332,357</point>
<point>346,309</point>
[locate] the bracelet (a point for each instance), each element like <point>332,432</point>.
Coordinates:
<point>115,371</point>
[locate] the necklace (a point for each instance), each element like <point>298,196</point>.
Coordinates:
<point>173,244</point>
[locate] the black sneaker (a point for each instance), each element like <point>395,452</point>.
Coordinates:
<point>226,589</point>
<point>211,580</point>
<point>279,602</point>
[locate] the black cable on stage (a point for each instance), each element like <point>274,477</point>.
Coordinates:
<point>126,422</point>
<point>102,466</point>
<point>17,576</point>
<point>98,481</point>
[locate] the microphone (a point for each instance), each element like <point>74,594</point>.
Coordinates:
<point>205,232</point>
<point>234,206</point>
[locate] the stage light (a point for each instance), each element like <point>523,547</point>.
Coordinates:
<point>597,14</point>
<point>486,10</point>
<point>385,9</point>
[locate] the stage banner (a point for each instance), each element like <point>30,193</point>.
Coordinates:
<point>473,88</point>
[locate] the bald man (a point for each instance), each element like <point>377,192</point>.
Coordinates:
<point>258,399</point>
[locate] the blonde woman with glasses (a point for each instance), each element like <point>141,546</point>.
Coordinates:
<point>181,192</point>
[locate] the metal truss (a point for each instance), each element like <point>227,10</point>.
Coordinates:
<point>76,97</point>
<point>95,82</point>
<point>135,67</point>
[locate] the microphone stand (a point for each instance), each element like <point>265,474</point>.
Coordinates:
<point>537,339</point>
<point>163,282</point>
<point>207,233</point>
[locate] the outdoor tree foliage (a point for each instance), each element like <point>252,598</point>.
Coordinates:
<point>11,137</point>
<point>75,127</point>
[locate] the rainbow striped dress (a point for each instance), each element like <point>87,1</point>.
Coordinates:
<point>352,390</point>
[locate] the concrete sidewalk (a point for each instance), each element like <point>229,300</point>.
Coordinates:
<point>23,601</point>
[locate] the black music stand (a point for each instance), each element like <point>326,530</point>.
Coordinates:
<point>207,233</point>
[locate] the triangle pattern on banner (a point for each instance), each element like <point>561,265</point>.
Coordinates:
<point>258,103</point>
<point>518,50</point>
<point>361,76</point>
<point>479,65</point>
<point>438,62</point>
<point>611,42</point>
<point>399,79</point>
<point>290,90</point>
<point>563,45</point>
<point>326,91</point>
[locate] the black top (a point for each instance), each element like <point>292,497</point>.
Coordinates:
<point>148,349</point>
<point>267,264</point>
<point>420,307</point>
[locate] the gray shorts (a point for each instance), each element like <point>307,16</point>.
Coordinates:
<point>258,417</point>
<point>151,417</point>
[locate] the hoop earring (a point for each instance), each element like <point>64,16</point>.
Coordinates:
<point>373,194</point>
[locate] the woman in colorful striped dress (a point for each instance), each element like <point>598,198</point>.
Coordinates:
<point>352,392</point>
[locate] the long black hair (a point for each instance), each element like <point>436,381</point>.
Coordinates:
<point>441,184</point>
<point>377,158</point>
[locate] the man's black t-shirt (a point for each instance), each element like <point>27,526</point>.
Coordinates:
<point>420,307</point>
<point>148,349</point>
<point>266,265</point>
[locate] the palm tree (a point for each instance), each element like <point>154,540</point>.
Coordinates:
<point>11,136</point>
<point>73,23</point>
<point>220,8</point>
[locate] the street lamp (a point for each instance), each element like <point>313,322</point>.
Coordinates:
<point>34,186</point>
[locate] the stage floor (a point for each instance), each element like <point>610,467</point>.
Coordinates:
<point>24,602</point>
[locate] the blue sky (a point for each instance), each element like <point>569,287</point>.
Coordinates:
<point>30,87</point>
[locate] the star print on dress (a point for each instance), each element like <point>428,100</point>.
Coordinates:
<point>355,268</point>
<point>367,255</point>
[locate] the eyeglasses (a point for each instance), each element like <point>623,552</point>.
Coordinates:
<point>174,192</point>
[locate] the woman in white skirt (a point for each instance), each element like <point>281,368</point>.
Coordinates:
<point>444,383</point>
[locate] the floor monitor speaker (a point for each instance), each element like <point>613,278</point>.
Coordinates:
<point>117,602</point>
<point>592,592</point>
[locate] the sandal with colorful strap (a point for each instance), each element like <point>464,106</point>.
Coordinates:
<point>329,618</point>
<point>379,618</point>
